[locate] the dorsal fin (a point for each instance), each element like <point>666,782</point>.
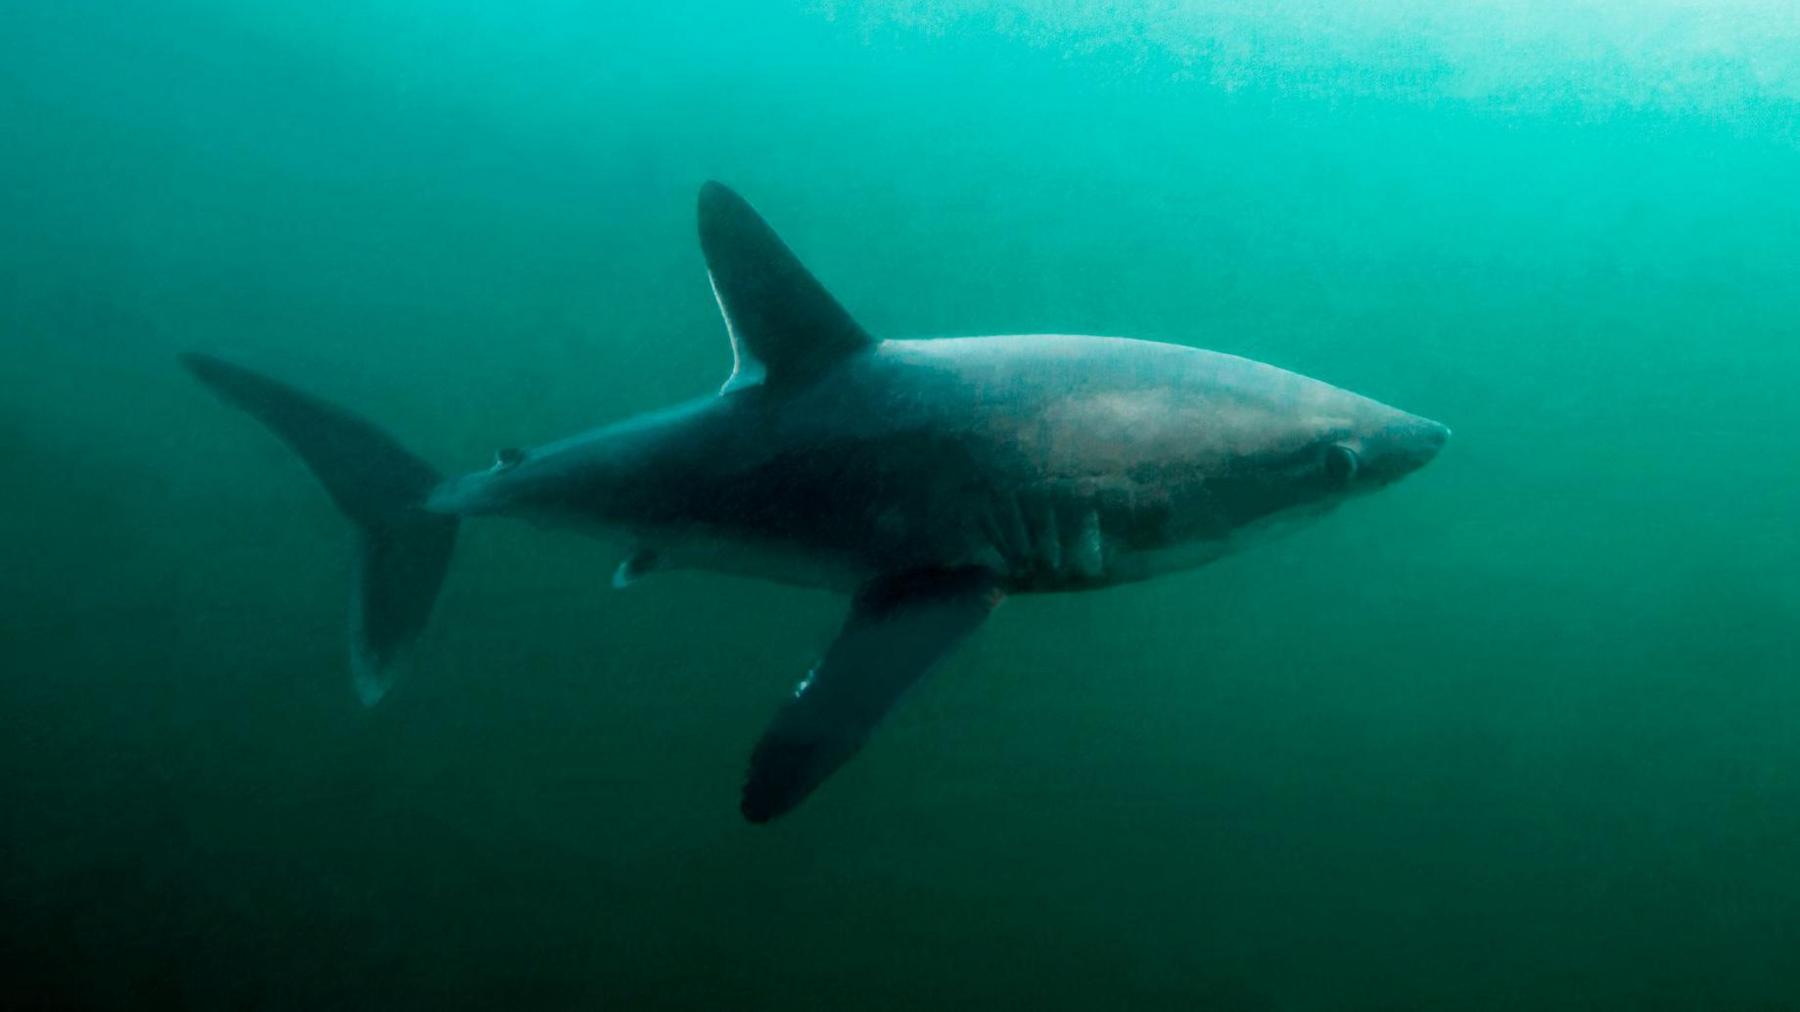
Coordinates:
<point>778,315</point>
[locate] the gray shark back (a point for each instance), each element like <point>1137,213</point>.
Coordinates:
<point>1059,461</point>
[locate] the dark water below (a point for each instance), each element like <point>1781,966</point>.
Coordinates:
<point>1523,732</point>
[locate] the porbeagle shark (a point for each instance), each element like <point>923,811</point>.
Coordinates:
<point>927,479</point>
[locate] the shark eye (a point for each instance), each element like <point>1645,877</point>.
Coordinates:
<point>1340,465</point>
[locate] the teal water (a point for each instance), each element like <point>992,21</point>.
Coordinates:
<point>1522,732</point>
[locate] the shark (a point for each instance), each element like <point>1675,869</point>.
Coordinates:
<point>927,480</point>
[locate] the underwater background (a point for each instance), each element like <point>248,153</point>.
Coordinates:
<point>1522,732</point>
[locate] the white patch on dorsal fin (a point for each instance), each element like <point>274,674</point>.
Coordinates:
<point>778,315</point>
<point>746,369</point>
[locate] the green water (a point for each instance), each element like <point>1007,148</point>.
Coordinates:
<point>1521,732</point>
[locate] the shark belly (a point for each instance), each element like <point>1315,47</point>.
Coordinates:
<point>826,521</point>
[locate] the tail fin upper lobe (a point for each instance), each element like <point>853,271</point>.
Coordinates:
<point>403,550</point>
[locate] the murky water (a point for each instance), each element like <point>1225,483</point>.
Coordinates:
<point>1521,732</point>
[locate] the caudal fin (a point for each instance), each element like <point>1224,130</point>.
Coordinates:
<point>403,550</point>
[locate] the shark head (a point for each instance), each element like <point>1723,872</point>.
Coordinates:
<point>1330,461</point>
<point>1264,449</point>
<point>1388,447</point>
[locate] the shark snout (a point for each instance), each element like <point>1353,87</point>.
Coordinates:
<point>1404,446</point>
<point>1426,438</point>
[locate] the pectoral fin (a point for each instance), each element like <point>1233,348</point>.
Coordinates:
<point>899,628</point>
<point>634,567</point>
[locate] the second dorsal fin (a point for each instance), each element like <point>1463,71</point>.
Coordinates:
<point>785,327</point>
